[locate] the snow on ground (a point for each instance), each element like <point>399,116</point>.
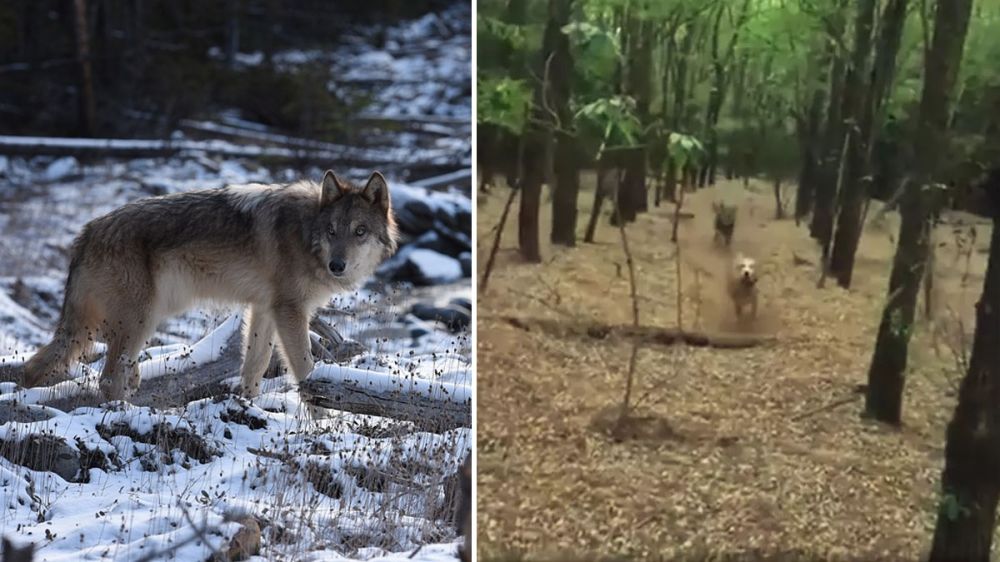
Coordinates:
<point>350,486</point>
<point>421,67</point>
<point>178,483</point>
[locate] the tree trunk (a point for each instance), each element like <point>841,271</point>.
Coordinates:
<point>680,79</point>
<point>970,483</point>
<point>531,197</point>
<point>538,141</point>
<point>821,227</point>
<point>640,86</point>
<point>567,173</point>
<point>865,104</point>
<point>885,376</point>
<point>232,32</point>
<point>88,106</point>
<point>717,95</point>
<point>811,145</point>
<point>600,193</point>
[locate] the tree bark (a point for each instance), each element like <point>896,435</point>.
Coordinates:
<point>531,198</point>
<point>886,374</point>
<point>821,227</point>
<point>634,197</point>
<point>567,173</point>
<point>809,137</point>
<point>866,104</point>
<point>88,106</point>
<point>970,483</point>
<point>600,192</point>
<point>537,143</point>
<point>717,95</point>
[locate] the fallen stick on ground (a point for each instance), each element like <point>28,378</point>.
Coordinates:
<point>647,334</point>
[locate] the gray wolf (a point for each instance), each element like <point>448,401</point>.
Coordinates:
<point>725,221</point>
<point>283,250</point>
<point>742,285</point>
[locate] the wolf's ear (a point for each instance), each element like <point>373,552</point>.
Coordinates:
<point>376,191</point>
<point>333,188</point>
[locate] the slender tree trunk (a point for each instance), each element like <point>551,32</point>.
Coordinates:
<point>970,483</point>
<point>232,32</point>
<point>537,144</point>
<point>640,86</point>
<point>821,227</point>
<point>599,195</point>
<point>531,197</point>
<point>811,146</point>
<point>888,366</point>
<point>680,79</point>
<point>88,106</point>
<point>567,173</point>
<point>865,105</point>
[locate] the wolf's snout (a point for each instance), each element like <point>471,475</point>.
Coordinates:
<point>337,266</point>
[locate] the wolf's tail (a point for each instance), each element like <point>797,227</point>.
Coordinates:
<point>50,363</point>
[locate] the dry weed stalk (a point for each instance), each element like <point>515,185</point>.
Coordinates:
<point>630,375</point>
<point>496,240</point>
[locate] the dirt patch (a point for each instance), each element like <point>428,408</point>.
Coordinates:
<point>754,450</point>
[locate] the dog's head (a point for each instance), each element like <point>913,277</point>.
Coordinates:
<point>356,229</point>
<point>746,271</point>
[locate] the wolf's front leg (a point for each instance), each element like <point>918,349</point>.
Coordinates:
<point>259,342</point>
<point>292,323</point>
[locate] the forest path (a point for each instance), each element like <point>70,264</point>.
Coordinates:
<point>721,461</point>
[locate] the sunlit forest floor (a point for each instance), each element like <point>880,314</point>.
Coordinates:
<point>735,451</point>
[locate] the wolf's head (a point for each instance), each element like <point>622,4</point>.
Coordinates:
<point>725,215</point>
<point>356,229</point>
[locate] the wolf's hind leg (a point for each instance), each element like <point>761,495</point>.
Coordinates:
<point>259,343</point>
<point>293,331</point>
<point>120,377</point>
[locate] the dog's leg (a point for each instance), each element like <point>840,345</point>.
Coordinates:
<point>293,332</point>
<point>753,307</point>
<point>259,343</point>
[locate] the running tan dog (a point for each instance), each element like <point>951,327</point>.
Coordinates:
<point>284,250</point>
<point>742,285</point>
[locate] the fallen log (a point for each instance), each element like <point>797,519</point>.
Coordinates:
<point>430,405</point>
<point>209,367</point>
<point>344,155</point>
<point>646,334</point>
<point>457,177</point>
<point>170,379</point>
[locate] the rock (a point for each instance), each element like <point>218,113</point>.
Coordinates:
<point>431,240</point>
<point>462,302</point>
<point>421,267</point>
<point>460,239</point>
<point>414,216</point>
<point>465,260</point>
<point>435,268</point>
<point>61,168</point>
<point>44,453</point>
<point>454,317</point>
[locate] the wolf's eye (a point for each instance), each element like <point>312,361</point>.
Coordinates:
<point>332,231</point>
<point>361,230</point>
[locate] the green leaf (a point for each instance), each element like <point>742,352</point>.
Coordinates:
<point>503,102</point>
